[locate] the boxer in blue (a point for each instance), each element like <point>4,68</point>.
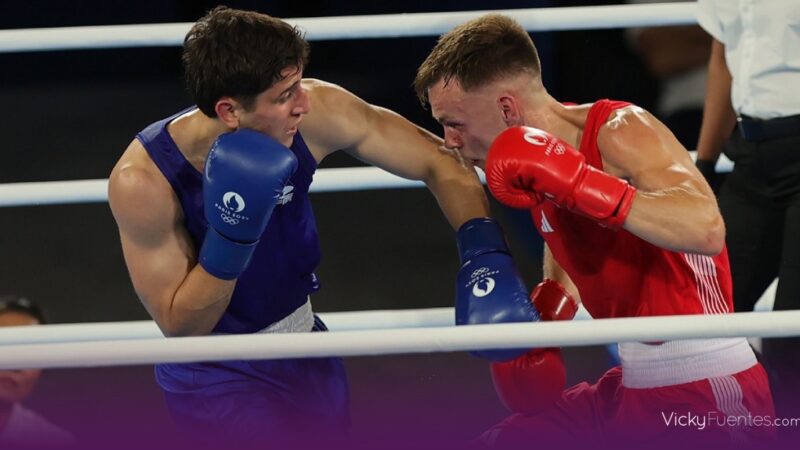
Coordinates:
<point>217,229</point>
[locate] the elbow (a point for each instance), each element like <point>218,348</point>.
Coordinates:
<point>170,333</point>
<point>450,168</point>
<point>170,329</point>
<point>712,237</point>
<point>180,328</point>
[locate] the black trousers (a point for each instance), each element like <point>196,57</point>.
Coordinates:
<point>760,202</point>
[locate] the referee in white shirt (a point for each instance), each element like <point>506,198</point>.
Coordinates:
<point>752,110</point>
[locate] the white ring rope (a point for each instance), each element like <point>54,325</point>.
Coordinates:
<point>336,321</point>
<point>90,191</point>
<point>398,341</point>
<point>325,180</point>
<point>147,329</point>
<point>356,27</point>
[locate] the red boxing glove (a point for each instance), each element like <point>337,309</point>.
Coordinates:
<point>526,163</point>
<point>553,301</point>
<point>534,381</point>
<point>531,383</point>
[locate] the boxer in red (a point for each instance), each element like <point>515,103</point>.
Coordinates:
<point>631,229</point>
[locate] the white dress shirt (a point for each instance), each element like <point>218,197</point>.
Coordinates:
<point>762,49</point>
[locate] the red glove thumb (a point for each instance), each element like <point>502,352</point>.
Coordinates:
<point>553,301</point>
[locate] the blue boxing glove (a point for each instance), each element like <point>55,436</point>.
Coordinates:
<point>488,287</point>
<point>244,175</point>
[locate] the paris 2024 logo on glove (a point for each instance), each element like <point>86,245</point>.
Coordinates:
<point>539,138</point>
<point>482,282</point>
<point>232,205</point>
<point>233,201</point>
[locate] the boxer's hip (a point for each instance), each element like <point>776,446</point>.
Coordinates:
<point>679,362</point>
<point>290,378</point>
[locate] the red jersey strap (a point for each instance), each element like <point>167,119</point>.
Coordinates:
<point>598,115</point>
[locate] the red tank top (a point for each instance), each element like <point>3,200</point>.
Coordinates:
<point>621,275</point>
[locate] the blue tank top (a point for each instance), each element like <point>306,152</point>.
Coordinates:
<point>281,273</point>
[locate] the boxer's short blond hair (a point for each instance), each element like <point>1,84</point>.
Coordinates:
<point>478,52</point>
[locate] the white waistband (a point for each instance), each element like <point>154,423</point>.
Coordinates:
<point>678,362</point>
<point>301,320</point>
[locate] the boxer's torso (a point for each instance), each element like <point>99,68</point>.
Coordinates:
<point>621,275</point>
<point>281,274</point>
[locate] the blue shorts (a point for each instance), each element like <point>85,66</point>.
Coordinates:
<point>254,401</point>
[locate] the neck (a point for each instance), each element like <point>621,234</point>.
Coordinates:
<point>195,132</point>
<point>550,115</point>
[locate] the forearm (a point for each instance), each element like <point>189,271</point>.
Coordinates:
<point>680,218</point>
<point>552,270</point>
<point>719,117</point>
<point>198,304</point>
<point>459,193</point>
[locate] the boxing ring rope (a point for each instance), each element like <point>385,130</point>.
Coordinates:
<point>393,332</point>
<point>89,191</point>
<point>355,27</point>
<point>397,341</point>
<point>325,180</point>
<point>147,329</point>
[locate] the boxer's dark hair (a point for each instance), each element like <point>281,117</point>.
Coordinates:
<point>238,54</point>
<point>478,52</point>
<point>16,303</point>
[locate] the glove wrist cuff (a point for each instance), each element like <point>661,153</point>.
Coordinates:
<point>604,198</point>
<point>224,258</point>
<point>478,236</point>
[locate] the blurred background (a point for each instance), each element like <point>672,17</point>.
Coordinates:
<point>68,115</point>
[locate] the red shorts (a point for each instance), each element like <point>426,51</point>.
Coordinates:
<point>720,412</point>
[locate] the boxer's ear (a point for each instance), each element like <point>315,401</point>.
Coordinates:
<point>227,110</point>
<point>510,110</point>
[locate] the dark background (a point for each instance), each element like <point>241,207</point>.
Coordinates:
<point>68,115</point>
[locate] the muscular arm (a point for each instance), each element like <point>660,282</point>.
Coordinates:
<point>718,115</point>
<point>181,297</point>
<point>674,207</point>
<point>340,120</point>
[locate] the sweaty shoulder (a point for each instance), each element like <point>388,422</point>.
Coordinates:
<point>624,124</point>
<point>139,195</point>
<point>632,138</point>
<point>337,118</point>
<point>627,115</point>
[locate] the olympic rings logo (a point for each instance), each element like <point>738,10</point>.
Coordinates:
<point>479,272</point>
<point>229,220</point>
